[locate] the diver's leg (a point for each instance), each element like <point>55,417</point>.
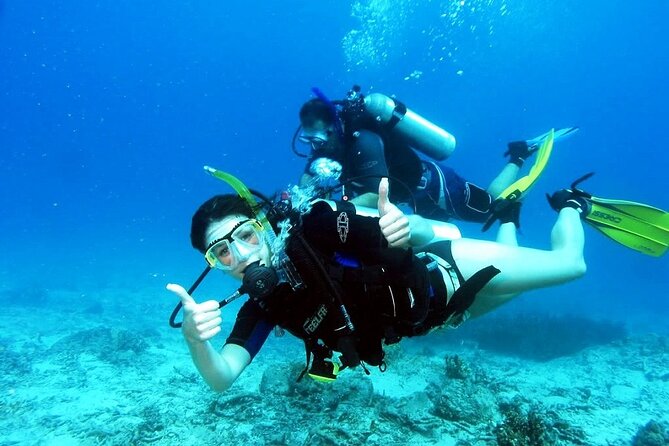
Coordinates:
<point>507,234</point>
<point>518,152</point>
<point>523,269</point>
<point>504,179</point>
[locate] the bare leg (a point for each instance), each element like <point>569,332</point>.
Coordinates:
<point>506,234</point>
<point>523,269</point>
<point>504,179</point>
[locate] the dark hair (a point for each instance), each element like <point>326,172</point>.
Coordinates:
<point>216,208</point>
<point>315,110</point>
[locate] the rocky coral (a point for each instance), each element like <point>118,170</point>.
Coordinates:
<point>456,367</point>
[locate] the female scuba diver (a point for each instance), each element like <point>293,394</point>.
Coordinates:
<point>347,284</point>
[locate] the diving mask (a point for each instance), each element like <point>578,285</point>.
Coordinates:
<point>238,245</point>
<point>316,142</point>
<point>318,139</point>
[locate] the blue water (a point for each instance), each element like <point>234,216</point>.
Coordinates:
<point>109,110</point>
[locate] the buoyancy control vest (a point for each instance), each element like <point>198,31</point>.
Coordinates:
<point>349,306</point>
<point>403,164</point>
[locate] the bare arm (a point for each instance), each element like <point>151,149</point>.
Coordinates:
<point>368,199</point>
<point>219,369</point>
<point>201,323</point>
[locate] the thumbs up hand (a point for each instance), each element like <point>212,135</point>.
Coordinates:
<point>393,223</point>
<point>201,321</point>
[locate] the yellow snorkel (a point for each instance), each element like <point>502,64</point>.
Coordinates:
<point>246,194</point>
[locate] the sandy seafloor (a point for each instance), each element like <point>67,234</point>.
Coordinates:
<point>111,372</point>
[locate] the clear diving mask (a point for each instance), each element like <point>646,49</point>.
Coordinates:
<point>317,142</point>
<point>244,240</point>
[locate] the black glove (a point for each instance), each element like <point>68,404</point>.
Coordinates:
<point>519,151</point>
<point>566,198</point>
<point>506,211</point>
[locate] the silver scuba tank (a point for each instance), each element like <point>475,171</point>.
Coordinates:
<point>420,133</point>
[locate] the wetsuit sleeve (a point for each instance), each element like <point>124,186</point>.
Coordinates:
<point>342,230</point>
<point>367,159</point>
<point>251,329</point>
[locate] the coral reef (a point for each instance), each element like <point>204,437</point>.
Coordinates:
<point>534,427</point>
<point>652,434</point>
<point>522,429</point>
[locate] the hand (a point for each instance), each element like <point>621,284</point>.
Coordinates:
<point>201,321</point>
<point>393,223</point>
<point>519,151</point>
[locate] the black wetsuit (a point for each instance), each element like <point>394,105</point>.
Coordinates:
<point>388,293</point>
<point>440,193</point>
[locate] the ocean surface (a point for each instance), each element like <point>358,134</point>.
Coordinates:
<point>109,111</point>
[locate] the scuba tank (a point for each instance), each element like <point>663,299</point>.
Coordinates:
<point>420,133</point>
<point>390,114</point>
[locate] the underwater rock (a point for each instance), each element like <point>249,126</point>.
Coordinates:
<point>115,346</point>
<point>27,296</point>
<point>462,402</point>
<point>274,382</point>
<point>353,389</point>
<point>243,406</point>
<point>14,363</point>
<point>539,337</point>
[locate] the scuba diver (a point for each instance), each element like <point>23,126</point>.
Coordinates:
<point>347,284</point>
<point>360,139</point>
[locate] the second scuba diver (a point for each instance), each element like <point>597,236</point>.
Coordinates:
<point>360,139</point>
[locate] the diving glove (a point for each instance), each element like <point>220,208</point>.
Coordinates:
<point>519,151</point>
<point>566,198</point>
<point>504,211</point>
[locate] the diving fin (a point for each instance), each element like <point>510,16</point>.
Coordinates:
<point>545,142</point>
<point>519,187</point>
<point>557,135</point>
<point>638,226</point>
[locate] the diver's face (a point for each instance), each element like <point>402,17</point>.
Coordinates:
<point>235,242</point>
<point>321,138</point>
